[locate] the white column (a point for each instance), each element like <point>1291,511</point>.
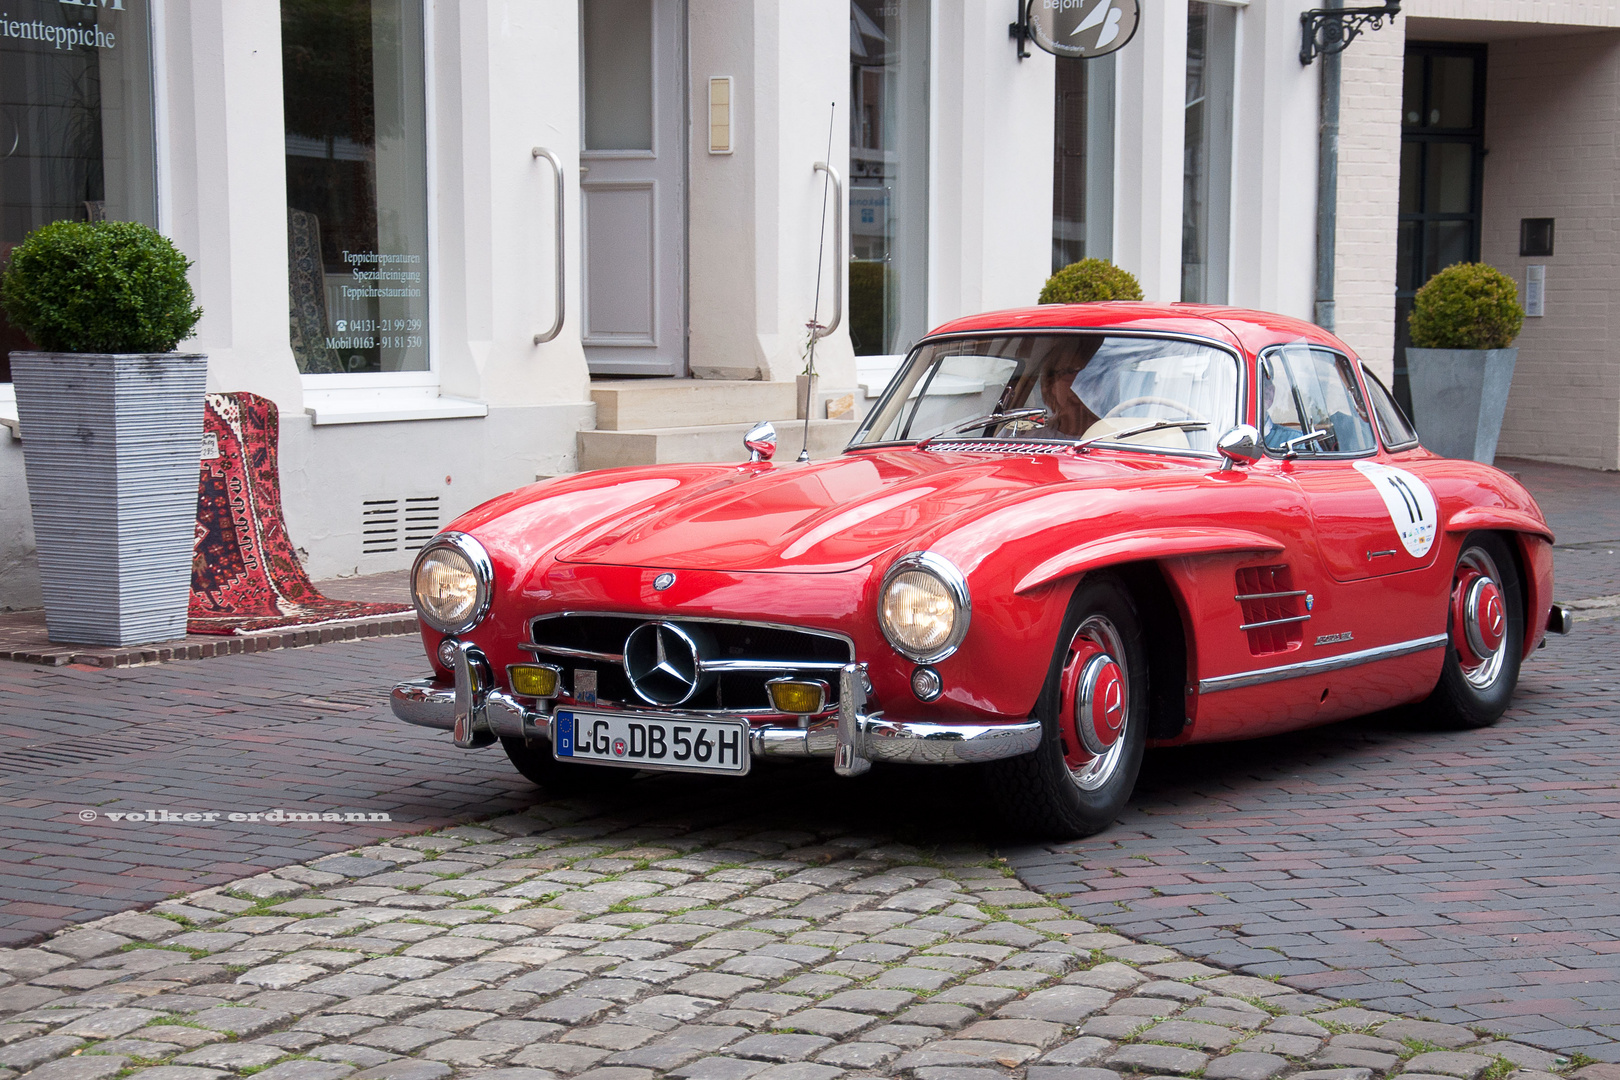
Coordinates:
<point>1148,156</point>
<point>990,221</point>
<point>223,187</point>
<point>1274,165</point>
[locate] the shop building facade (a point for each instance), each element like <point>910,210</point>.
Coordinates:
<point>368,192</point>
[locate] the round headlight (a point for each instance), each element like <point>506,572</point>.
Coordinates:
<point>925,607</point>
<point>451,583</point>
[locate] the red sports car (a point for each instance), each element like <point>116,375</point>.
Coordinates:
<point>1062,534</point>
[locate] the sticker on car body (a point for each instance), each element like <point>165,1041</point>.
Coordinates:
<point>1410,503</point>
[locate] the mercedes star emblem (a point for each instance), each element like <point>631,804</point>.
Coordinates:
<point>663,663</point>
<point>663,581</point>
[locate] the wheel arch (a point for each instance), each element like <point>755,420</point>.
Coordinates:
<point>1164,633</point>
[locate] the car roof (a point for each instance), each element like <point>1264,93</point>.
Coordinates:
<point>1253,330</point>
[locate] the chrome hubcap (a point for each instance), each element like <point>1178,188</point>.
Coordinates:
<point>1093,704</point>
<point>1479,623</point>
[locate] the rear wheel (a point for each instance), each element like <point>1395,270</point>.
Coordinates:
<point>1485,638</point>
<point>535,761</point>
<point>1093,713</point>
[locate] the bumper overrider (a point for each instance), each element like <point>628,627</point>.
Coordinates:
<point>478,712</point>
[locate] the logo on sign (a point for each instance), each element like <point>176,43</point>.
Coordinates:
<point>1410,503</point>
<point>1082,28</point>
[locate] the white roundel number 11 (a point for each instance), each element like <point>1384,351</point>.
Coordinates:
<point>1410,503</point>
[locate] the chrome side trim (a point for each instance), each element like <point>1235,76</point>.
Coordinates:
<point>1269,595</point>
<point>1318,667</point>
<point>1274,622</point>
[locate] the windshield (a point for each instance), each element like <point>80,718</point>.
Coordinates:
<point>1089,386</point>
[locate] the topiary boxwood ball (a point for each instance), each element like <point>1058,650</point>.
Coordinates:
<point>1466,306</point>
<point>1088,280</point>
<point>99,287</point>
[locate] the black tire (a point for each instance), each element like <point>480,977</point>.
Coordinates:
<point>1476,696</point>
<point>535,761</point>
<point>1040,792</point>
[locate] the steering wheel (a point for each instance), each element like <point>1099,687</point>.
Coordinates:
<point>1154,399</point>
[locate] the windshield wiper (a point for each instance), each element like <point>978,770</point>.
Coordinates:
<point>1016,414</point>
<point>1141,429</point>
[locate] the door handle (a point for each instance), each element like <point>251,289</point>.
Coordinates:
<point>840,268</point>
<point>557,178</point>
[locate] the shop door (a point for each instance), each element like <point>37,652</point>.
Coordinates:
<point>633,186</point>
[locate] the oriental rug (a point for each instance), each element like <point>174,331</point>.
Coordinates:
<point>245,574</point>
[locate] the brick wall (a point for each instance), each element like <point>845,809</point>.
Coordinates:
<point>1552,136</point>
<point>1369,182</point>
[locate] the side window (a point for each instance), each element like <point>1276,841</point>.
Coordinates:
<point>1279,406</point>
<point>1398,431</point>
<point>1325,399</point>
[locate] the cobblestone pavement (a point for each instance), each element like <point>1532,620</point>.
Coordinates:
<point>556,943</point>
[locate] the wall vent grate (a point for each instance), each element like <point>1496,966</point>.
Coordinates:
<point>390,525</point>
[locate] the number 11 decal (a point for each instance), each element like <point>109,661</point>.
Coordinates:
<point>1410,503</point>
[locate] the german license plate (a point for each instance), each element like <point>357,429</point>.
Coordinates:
<point>640,741</point>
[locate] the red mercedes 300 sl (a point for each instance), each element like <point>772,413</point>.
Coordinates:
<point>1063,534</point>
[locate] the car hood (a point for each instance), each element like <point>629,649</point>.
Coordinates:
<point>824,517</point>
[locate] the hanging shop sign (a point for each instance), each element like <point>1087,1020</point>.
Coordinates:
<point>1082,28</point>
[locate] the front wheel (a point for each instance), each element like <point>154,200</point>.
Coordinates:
<point>536,762</point>
<point>1484,641</point>
<point>1093,713</point>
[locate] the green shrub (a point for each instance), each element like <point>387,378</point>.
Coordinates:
<point>1466,306</point>
<point>1088,280</point>
<point>102,287</point>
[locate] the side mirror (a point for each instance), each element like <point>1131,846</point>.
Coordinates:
<point>761,441</point>
<point>1240,445</point>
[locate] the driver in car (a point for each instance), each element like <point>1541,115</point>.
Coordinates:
<point>1068,417</point>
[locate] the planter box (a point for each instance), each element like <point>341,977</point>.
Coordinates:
<point>111,446</point>
<point>1459,397</point>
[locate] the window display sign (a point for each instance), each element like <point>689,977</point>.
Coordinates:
<point>1082,28</point>
<point>76,135</point>
<point>356,151</point>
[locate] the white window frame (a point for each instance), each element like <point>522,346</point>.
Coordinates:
<point>378,397</point>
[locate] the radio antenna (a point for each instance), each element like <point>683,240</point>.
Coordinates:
<point>814,325</point>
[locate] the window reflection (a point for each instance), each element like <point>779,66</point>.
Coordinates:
<point>354,98</point>
<point>76,139</point>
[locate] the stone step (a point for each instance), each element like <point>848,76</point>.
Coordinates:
<point>641,404</point>
<point>713,442</point>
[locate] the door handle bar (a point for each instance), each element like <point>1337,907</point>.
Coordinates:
<point>557,176</point>
<point>839,267</point>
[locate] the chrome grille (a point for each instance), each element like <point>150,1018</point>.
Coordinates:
<point>744,656</point>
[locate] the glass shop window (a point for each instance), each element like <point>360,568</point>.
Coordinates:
<point>357,253</point>
<point>888,165</point>
<point>1207,151</point>
<point>1083,161</point>
<point>76,138</point>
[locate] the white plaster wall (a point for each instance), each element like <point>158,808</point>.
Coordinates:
<point>1369,195</point>
<point>1274,164</point>
<point>1552,128</point>
<point>990,193</point>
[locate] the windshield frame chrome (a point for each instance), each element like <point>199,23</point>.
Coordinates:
<point>1244,378</point>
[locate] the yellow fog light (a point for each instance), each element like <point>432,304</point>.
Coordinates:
<point>533,680</point>
<point>802,697</point>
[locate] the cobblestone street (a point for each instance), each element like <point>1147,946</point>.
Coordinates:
<point>553,943</point>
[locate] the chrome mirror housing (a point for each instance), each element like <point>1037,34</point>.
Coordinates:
<point>1241,445</point>
<point>761,441</point>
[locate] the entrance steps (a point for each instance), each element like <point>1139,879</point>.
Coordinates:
<point>663,421</point>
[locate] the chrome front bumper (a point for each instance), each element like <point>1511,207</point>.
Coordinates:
<point>477,712</point>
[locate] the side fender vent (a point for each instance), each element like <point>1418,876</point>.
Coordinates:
<point>1273,611</point>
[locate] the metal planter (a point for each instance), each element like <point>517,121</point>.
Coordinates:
<point>111,444</point>
<point>1459,397</point>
